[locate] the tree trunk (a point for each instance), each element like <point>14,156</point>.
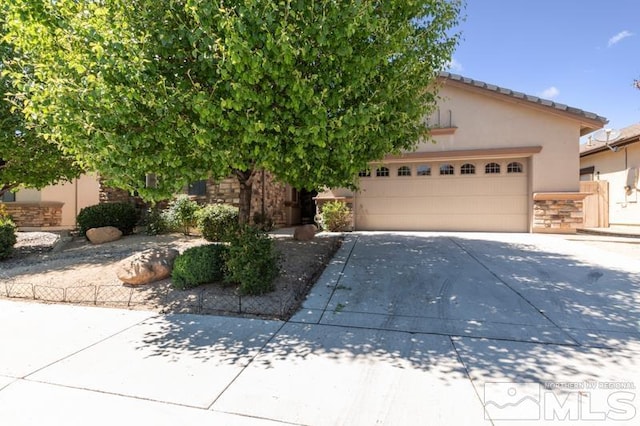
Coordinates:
<point>245,177</point>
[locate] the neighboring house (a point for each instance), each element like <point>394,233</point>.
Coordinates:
<point>616,166</point>
<point>501,161</point>
<point>53,207</point>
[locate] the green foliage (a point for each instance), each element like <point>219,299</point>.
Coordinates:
<point>181,214</point>
<point>252,262</point>
<point>123,216</point>
<point>217,222</point>
<point>335,216</point>
<point>309,90</point>
<point>199,265</point>
<point>7,235</point>
<point>262,221</point>
<point>155,222</point>
<point>26,158</point>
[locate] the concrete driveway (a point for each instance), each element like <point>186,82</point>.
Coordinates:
<point>413,328</point>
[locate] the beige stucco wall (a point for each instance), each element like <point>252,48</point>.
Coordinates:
<point>484,121</point>
<point>75,195</point>
<point>624,207</point>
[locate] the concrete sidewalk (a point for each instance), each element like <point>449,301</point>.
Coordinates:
<point>404,328</point>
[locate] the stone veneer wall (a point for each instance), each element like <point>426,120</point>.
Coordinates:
<point>558,213</point>
<point>228,191</point>
<point>35,215</point>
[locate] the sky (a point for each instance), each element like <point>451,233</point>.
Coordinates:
<point>582,53</point>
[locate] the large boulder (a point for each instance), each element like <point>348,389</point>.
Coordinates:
<point>304,232</point>
<point>103,234</point>
<point>147,266</point>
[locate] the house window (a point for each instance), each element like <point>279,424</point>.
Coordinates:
<point>446,169</point>
<point>404,171</point>
<point>514,167</point>
<point>424,170</point>
<point>382,172</point>
<point>198,188</point>
<point>8,197</point>
<point>364,173</point>
<point>492,168</point>
<point>468,169</point>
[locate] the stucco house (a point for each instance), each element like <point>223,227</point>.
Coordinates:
<point>613,168</point>
<point>501,161</point>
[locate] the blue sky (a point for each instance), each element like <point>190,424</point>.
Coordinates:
<point>583,53</point>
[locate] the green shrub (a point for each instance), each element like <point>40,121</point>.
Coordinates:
<point>217,222</point>
<point>155,222</point>
<point>263,221</point>
<point>123,216</point>
<point>252,261</point>
<point>181,214</point>
<point>7,233</point>
<point>199,265</point>
<point>335,216</point>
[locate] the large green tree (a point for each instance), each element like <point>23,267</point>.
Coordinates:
<point>26,160</point>
<point>309,90</point>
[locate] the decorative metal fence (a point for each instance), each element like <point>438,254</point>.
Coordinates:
<point>204,300</point>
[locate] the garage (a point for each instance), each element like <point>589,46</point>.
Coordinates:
<point>462,195</point>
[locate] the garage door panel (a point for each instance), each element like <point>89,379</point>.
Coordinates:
<point>479,202</point>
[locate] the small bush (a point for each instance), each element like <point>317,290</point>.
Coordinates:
<point>181,214</point>
<point>217,222</point>
<point>155,222</point>
<point>199,265</point>
<point>264,222</point>
<point>335,216</point>
<point>123,216</point>
<point>252,262</point>
<point>7,234</point>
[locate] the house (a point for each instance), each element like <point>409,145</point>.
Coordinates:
<point>501,161</point>
<point>613,169</point>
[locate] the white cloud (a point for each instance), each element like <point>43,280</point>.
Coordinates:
<point>549,93</point>
<point>453,66</point>
<point>619,37</point>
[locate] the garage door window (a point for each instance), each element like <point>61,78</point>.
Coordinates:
<point>382,172</point>
<point>446,169</point>
<point>492,168</point>
<point>514,167</point>
<point>468,169</point>
<point>424,170</point>
<point>404,171</point>
<point>364,173</point>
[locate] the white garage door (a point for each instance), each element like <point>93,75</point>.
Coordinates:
<point>478,195</point>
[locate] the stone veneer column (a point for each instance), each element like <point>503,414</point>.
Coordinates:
<point>558,212</point>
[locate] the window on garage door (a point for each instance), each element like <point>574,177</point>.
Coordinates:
<point>423,170</point>
<point>446,169</point>
<point>468,169</point>
<point>514,167</point>
<point>404,171</point>
<point>382,172</point>
<point>492,168</point>
<point>364,173</point>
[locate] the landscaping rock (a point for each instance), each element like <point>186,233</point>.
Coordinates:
<point>104,234</point>
<point>304,232</point>
<point>147,266</point>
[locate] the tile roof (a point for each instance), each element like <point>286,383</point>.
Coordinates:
<point>629,134</point>
<point>523,96</point>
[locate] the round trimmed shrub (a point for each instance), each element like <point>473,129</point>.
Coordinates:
<point>7,237</point>
<point>335,216</point>
<point>123,216</point>
<point>199,265</point>
<point>217,222</point>
<point>252,262</point>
